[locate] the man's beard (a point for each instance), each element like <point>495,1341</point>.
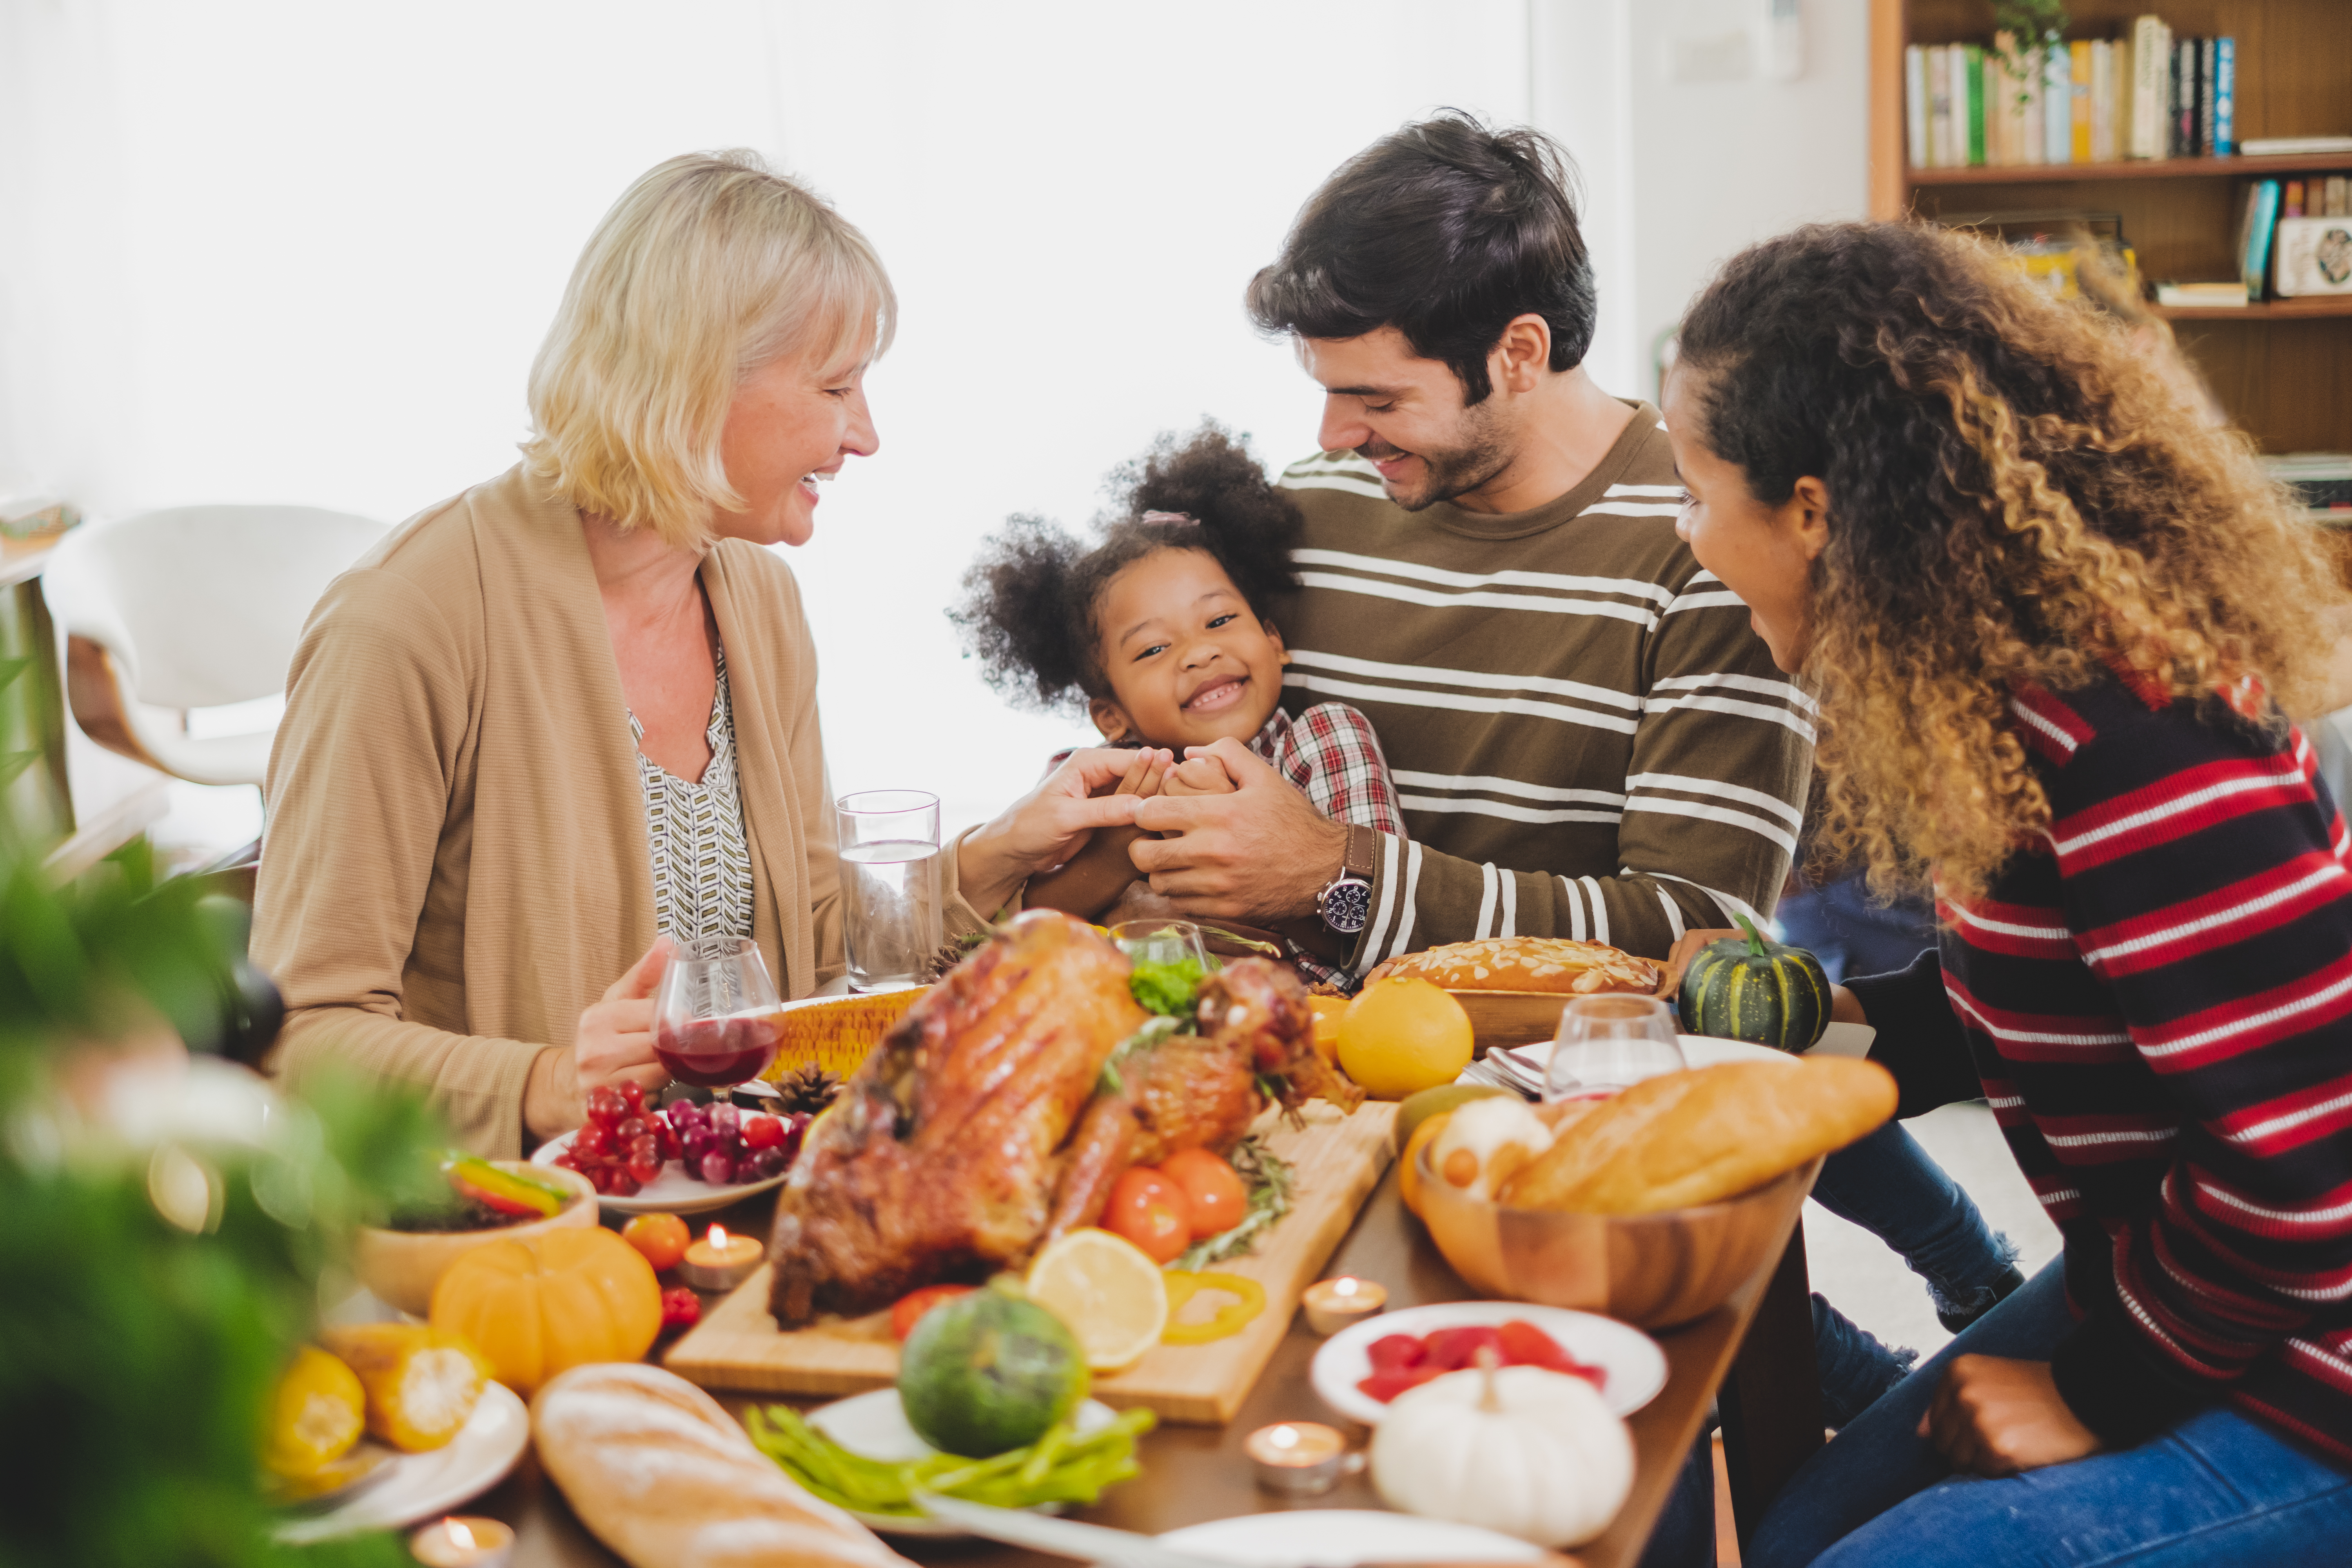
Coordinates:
<point>1451,471</point>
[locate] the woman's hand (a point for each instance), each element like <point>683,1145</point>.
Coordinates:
<point>614,1041</point>
<point>1047,826</point>
<point>1993,1417</point>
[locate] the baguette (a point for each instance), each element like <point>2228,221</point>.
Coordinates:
<point>664,1477</point>
<point>1697,1137</point>
<point>1545,964</point>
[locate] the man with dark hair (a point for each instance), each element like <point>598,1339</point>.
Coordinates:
<point>1588,739</point>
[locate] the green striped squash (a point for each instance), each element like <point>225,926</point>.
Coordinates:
<point>1756,990</point>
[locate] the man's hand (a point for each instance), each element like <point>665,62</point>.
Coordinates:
<point>1259,854</point>
<point>1203,774</point>
<point>1097,788</point>
<point>614,1041</point>
<point>1993,1417</point>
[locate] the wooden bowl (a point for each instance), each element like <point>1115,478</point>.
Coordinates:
<point>402,1267</point>
<point>1653,1270</point>
<point>1500,1019</point>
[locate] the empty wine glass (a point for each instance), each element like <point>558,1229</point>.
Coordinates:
<point>717,1020</point>
<point>1610,1043</point>
<point>1161,941</point>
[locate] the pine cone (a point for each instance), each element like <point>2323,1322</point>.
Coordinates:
<point>809,1090</point>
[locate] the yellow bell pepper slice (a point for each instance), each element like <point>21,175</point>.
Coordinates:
<point>1226,1320</point>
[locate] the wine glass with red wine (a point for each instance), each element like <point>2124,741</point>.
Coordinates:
<point>717,1021</point>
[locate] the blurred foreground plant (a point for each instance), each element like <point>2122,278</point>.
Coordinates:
<point>165,1224</point>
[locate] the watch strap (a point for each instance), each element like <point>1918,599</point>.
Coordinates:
<point>1363,852</point>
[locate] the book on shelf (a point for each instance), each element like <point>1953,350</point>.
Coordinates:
<point>2079,101</point>
<point>2295,146</point>
<point>2254,236</point>
<point>1915,105</point>
<point>2207,78</point>
<point>2206,296</point>
<point>2057,112</point>
<point>2152,85</point>
<point>2338,193</point>
<point>2185,55</point>
<point>2291,200</point>
<point>2223,142</point>
<point>1971,67</point>
<point>1939,107</point>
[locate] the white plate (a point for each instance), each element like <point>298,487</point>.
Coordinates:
<point>874,1427</point>
<point>672,1191</point>
<point>1635,1365</point>
<point>1343,1537</point>
<point>422,1485</point>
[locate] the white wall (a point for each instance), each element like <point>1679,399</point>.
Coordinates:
<point>279,251</point>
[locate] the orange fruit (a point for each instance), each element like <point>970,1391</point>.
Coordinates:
<point>660,1236</point>
<point>1403,1034</point>
<point>1409,1162</point>
<point>1327,1010</point>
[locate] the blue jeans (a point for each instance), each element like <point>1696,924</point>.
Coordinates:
<point>2217,1489</point>
<point>1893,1189</point>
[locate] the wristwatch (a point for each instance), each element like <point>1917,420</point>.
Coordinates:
<point>1346,903</point>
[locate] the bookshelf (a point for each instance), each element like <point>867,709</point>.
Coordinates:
<point>2283,369</point>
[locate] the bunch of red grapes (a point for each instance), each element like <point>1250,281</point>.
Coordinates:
<point>623,1146</point>
<point>723,1144</point>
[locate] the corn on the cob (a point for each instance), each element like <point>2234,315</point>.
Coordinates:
<point>837,1033</point>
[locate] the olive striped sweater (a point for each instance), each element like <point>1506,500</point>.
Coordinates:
<point>1587,738</point>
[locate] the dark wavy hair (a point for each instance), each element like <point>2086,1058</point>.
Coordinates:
<point>1446,230</point>
<point>2018,491</point>
<point>1028,611</point>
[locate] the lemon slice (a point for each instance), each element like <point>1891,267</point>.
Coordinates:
<point>1109,1292</point>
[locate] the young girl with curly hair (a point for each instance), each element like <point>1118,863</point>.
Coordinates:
<point>1159,630</point>
<point>2060,625</point>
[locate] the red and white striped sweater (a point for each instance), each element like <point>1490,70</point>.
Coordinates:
<point>2158,1001</point>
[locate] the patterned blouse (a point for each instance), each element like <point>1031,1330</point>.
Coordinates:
<point>703,861</point>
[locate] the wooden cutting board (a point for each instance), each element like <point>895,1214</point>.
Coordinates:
<point>1340,1160</point>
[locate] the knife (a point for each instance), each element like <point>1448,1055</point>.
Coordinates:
<point>1060,1537</point>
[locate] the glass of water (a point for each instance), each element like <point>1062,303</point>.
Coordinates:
<point>890,885</point>
<point>1610,1043</point>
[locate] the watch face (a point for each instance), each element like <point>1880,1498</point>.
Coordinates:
<point>1347,905</point>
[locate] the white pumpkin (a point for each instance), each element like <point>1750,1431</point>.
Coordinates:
<point>1484,1143</point>
<point>1521,1449</point>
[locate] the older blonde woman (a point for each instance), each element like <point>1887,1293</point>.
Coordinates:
<point>569,716</point>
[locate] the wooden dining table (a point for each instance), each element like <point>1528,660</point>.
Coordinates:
<point>1753,1356</point>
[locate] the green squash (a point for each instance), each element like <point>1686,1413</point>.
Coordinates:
<point>1756,990</point>
<point>989,1373</point>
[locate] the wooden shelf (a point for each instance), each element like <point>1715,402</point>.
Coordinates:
<point>2303,309</point>
<point>2137,169</point>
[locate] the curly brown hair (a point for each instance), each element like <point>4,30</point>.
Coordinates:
<point>2018,493</point>
<point>1028,610</point>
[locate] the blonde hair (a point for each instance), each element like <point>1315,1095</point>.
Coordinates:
<point>709,265</point>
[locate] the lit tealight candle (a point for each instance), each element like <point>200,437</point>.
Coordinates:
<point>1299,1458</point>
<point>719,1261</point>
<point>463,1541</point>
<point>1333,1304</point>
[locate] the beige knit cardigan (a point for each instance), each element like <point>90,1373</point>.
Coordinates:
<point>457,861</point>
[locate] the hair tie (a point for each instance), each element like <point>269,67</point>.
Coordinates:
<point>1182,517</point>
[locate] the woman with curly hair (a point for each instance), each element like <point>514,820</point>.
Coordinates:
<point>2060,625</point>
<point>1159,630</point>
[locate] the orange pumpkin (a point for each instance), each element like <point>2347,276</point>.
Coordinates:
<point>561,1299</point>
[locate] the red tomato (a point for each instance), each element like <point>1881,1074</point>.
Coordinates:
<point>660,1236</point>
<point>1150,1211</point>
<point>1215,1192</point>
<point>914,1303</point>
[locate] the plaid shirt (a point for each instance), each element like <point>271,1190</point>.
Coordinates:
<point>1331,756</point>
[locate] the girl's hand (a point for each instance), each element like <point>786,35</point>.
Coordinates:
<point>614,1041</point>
<point>1203,774</point>
<point>1052,822</point>
<point>1146,776</point>
<point>1993,1417</point>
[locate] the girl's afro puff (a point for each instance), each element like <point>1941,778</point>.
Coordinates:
<point>1029,598</point>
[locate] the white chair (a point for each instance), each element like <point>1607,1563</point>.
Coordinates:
<point>196,607</point>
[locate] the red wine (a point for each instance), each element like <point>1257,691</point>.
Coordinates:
<point>718,1053</point>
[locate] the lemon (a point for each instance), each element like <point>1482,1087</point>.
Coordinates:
<point>1401,1035</point>
<point>1107,1289</point>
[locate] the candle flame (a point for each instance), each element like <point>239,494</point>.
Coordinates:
<point>1346,1287</point>
<point>460,1536</point>
<point>718,1237</point>
<point>1284,1436</point>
